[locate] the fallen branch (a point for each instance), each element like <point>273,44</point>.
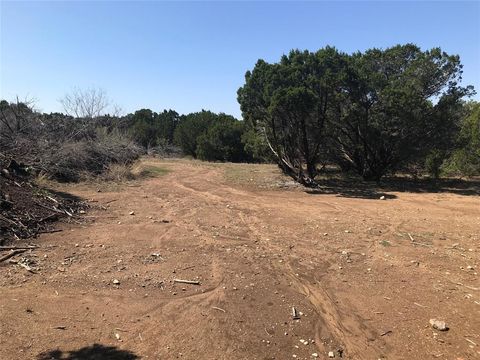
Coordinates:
<point>18,247</point>
<point>49,231</point>
<point>471,342</point>
<point>12,254</point>
<point>421,244</point>
<point>50,209</point>
<point>192,282</point>
<point>420,305</point>
<point>51,198</point>
<point>217,308</point>
<point>26,267</point>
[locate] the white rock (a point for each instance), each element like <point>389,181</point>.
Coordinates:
<point>331,354</point>
<point>131,213</point>
<point>116,282</point>
<point>382,197</point>
<point>315,355</point>
<point>438,324</point>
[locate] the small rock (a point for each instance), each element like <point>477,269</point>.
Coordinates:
<point>470,267</point>
<point>131,213</point>
<point>116,282</point>
<point>117,336</point>
<point>382,197</point>
<point>439,325</point>
<point>331,354</point>
<point>315,355</point>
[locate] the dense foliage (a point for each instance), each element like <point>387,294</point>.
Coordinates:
<point>152,129</point>
<point>213,137</point>
<point>223,141</point>
<point>465,158</point>
<point>374,112</point>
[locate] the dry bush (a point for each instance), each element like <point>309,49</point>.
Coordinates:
<point>119,173</point>
<point>61,147</point>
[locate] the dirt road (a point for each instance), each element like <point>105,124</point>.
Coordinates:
<point>363,289</point>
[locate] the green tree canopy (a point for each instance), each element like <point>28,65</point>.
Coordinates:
<point>374,111</point>
<point>223,141</point>
<point>191,127</point>
<point>151,129</point>
<point>289,104</point>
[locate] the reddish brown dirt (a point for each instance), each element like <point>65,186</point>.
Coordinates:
<point>347,264</point>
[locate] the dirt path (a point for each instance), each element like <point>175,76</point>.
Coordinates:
<point>348,265</point>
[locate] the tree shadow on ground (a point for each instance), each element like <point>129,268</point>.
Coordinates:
<point>94,352</point>
<point>358,188</point>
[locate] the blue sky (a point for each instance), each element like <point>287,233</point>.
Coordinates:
<point>193,55</point>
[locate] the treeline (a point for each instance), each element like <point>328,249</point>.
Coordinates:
<point>374,112</point>
<point>68,148</point>
<point>203,135</point>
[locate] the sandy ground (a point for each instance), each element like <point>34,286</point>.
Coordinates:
<point>361,287</point>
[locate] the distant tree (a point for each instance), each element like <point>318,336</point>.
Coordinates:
<point>151,129</point>
<point>166,123</point>
<point>223,141</point>
<point>143,130</point>
<point>88,103</point>
<point>190,128</point>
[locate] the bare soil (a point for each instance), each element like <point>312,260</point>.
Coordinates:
<point>365,275</point>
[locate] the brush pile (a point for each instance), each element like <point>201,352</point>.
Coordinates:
<point>27,210</point>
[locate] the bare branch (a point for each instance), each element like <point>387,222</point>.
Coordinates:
<point>88,103</point>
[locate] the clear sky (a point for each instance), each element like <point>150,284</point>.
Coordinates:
<point>193,55</point>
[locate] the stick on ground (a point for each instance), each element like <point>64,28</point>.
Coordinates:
<point>12,254</point>
<point>192,282</point>
<point>27,247</point>
<point>217,308</point>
